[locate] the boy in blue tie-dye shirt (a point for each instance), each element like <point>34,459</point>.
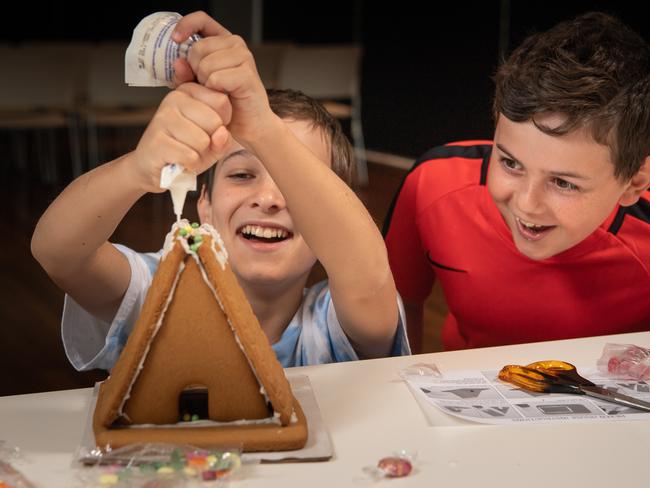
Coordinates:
<point>277,195</point>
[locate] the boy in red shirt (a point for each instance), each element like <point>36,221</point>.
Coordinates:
<point>544,232</point>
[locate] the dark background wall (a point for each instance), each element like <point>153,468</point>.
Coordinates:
<point>426,69</point>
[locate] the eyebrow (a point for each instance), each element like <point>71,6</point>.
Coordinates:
<point>554,173</point>
<point>239,152</point>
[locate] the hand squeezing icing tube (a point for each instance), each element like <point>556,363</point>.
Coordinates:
<point>149,61</point>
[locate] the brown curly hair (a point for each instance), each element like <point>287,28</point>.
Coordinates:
<point>594,71</point>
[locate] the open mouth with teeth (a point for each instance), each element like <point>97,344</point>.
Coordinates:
<point>532,231</point>
<point>260,233</point>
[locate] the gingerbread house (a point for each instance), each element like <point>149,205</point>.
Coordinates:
<point>197,368</point>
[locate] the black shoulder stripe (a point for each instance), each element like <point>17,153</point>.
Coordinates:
<point>484,167</point>
<point>442,152</point>
<point>640,210</point>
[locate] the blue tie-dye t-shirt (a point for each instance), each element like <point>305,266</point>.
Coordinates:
<point>314,335</point>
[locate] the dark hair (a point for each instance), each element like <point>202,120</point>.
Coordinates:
<point>594,71</point>
<point>295,105</point>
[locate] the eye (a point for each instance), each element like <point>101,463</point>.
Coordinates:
<point>240,175</point>
<point>564,184</point>
<point>510,164</point>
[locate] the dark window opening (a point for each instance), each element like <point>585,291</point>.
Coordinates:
<point>193,404</point>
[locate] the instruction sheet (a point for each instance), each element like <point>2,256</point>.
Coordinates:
<point>479,396</point>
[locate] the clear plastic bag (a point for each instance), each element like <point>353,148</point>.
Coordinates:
<point>10,477</point>
<point>625,361</point>
<point>420,369</point>
<point>160,465</point>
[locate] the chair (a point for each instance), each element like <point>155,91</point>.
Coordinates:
<point>331,74</point>
<point>268,59</point>
<point>38,95</point>
<point>110,102</point>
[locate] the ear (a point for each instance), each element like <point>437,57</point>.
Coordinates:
<point>204,206</point>
<point>639,183</point>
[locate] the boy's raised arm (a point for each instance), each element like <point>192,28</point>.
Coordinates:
<point>328,214</point>
<point>71,238</point>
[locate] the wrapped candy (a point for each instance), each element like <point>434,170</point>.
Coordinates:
<point>625,361</point>
<point>397,465</point>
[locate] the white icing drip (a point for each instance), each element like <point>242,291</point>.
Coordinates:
<point>208,423</point>
<point>218,247</point>
<point>221,254</point>
<point>294,417</point>
<point>169,238</point>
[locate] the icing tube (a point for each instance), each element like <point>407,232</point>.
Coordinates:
<point>151,53</point>
<point>149,62</point>
<point>178,181</point>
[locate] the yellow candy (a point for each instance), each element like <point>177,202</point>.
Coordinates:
<point>165,470</point>
<point>211,459</point>
<point>108,479</point>
<point>189,471</point>
<point>235,461</point>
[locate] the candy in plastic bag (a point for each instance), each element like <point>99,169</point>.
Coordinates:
<point>625,361</point>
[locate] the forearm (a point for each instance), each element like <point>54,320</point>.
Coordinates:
<point>84,216</point>
<point>328,214</point>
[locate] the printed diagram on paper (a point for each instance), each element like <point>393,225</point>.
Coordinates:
<point>479,396</point>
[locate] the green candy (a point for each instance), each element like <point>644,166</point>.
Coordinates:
<point>183,232</point>
<point>148,468</point>
<point>198,238</point>
<point>195,246</point>
<point>124,473</point>
<point>195,225</point>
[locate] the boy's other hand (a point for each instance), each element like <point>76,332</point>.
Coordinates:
<point>222,61</point>
<point>194,23</point>
<point>188,129</point>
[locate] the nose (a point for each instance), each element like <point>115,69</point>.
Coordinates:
<point>530,197</point>
<point>268,197</point>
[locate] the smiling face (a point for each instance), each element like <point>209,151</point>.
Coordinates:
<point>250,213</point>
<point>551,191</point>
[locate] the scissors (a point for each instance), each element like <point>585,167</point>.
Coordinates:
<point>554,376</point>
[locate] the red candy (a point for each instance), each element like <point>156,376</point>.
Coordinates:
<point>209,475</point>
<point>395,467</point>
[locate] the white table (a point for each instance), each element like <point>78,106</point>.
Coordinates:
<point>370,413</point>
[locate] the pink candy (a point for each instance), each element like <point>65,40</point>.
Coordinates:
<point>625,360</point>
<point>395,467</point>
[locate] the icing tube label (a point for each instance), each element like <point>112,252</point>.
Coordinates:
<point>151,53</point>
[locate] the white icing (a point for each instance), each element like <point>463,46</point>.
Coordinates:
<point>178,181</point>
<point>168,300</point>
<point>208,423</point>
<point>218,247</point>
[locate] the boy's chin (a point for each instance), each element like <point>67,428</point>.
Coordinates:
<point>263,279</point>
<point>535,252</point>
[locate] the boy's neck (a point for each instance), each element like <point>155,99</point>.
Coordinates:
<point>274,306</point>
